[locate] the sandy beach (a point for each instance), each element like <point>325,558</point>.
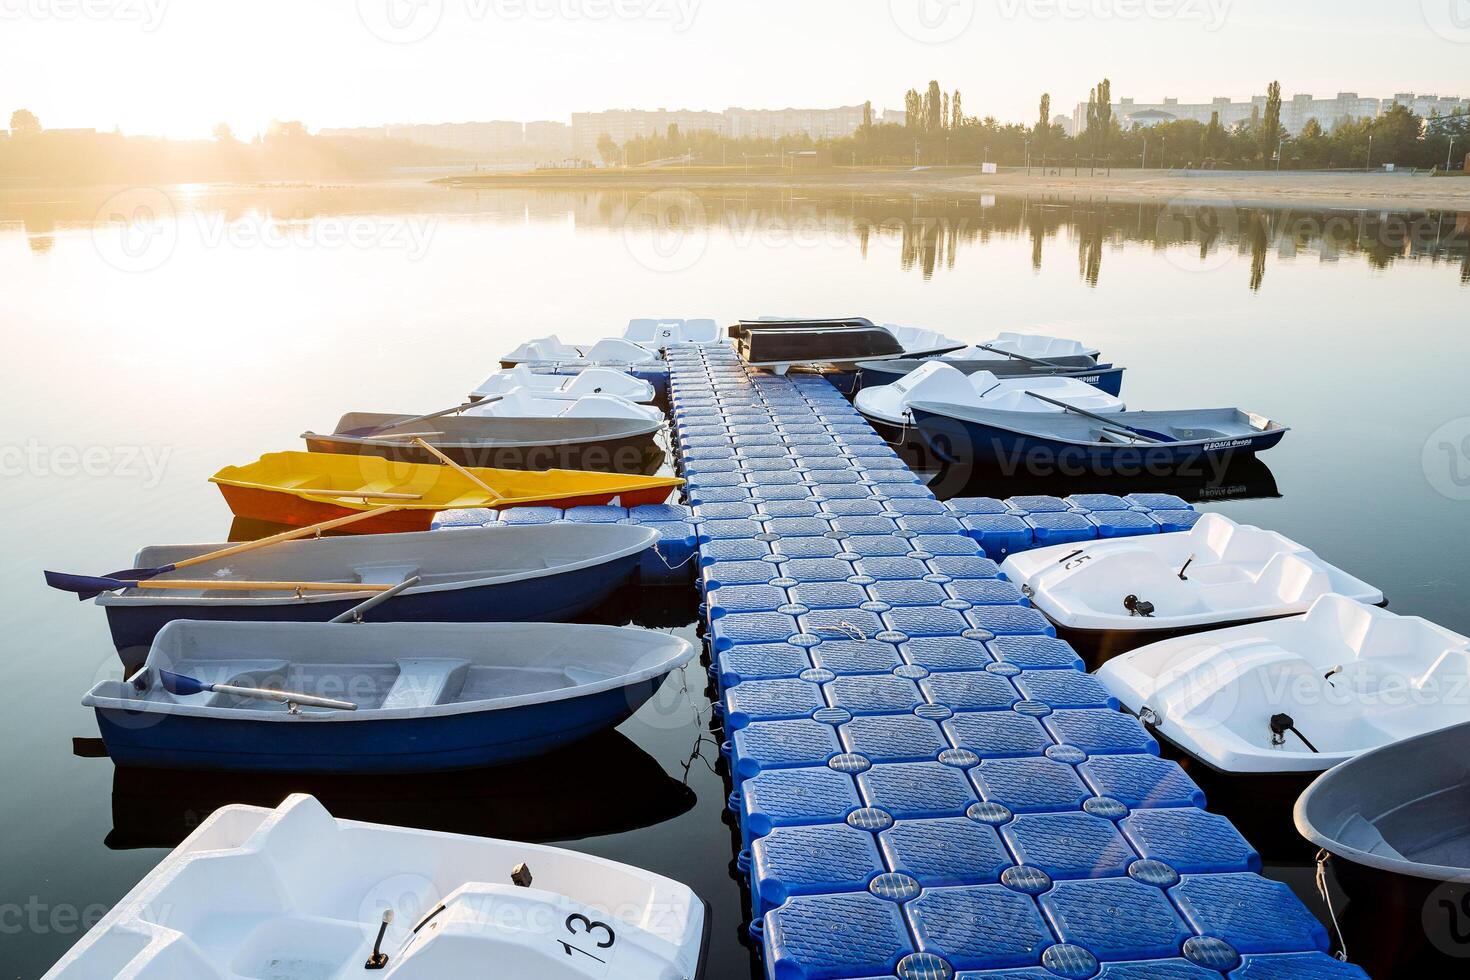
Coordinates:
<point>1261,189</point>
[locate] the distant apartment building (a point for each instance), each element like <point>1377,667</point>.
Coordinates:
<point>622,125</point>
<point>775,123</point>
<point>1296,111</point>
<point>894,117</point>
<point>548,140</point>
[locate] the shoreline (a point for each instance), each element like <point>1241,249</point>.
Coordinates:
<point>1376,190</point>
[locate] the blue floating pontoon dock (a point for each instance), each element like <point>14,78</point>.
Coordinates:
<point>929,785</point>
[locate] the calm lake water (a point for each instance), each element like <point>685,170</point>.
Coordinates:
<point>157,335</point>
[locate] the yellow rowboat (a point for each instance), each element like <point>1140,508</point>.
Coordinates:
<point>308,488</point>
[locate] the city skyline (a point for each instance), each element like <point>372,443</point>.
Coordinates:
<point>150,67</point>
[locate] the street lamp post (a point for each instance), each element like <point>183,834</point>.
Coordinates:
<point>1449,154</point>
<point>1144,164</point>
<point>1368,163</point>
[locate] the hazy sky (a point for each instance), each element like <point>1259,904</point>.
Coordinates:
<point>176,67</point>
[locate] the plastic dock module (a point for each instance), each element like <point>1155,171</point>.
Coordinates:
<point>928,785</point>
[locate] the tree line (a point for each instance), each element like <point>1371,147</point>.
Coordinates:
<point>937,131</point>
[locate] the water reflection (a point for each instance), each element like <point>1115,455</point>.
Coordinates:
<point>533,801</point>
<point>932,233</point>
<point>1244,479</point>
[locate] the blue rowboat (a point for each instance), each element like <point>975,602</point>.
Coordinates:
<point>1105,377</point>
<point>543,572</point>
<point>1074,443</point>
<point>407,697</point>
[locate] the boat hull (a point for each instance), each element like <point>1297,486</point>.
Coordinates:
<point>278,507</point>
<point>966,442</point>
<point>1105,378</point>
<point>552,598</point>
<point>635,455</point>
<point>460,741</point>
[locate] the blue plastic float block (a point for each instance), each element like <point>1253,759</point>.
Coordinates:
<point>938,653</point>
<point>1000,534</point>
<point>986,592</point>
<point>812,860</point>
<point>1157,501</point>
<point>927,620</point>
<point>1296,966</point>
<point>944,851</point>
<point>835,937</point>
<point>997,734</point>
<point>1060,527</point>
<point>1115,918</point>
<point>1032,784</point>
<point>1123,523</point>
<point>530,515</point>
<point>1064,689</point>
<point>751,627</point>
<point>1071,844</point>
<point>826,595</point>
<point>892,738</point>
<point>1087,502</point>
<point>1010,621</point>
<point>1177,969</point>
<point>1036,504</point>
<point>872,656</point>
<point>771,700</point>
<point>1100,731</point>
<point>764,745</point>
<point>969,506</point>
<point>744,598</point>
<point>914,790</point>
<point>973,926</point>
<point>970,690</point>
<point>1189,840</point>
<point>1139,781</point>
<point>871,693</point>
<point>1251,913</point>
<point>908,592</point>
<point>760,661</point>
<point>1175,520</point>
<point>1035,651</point>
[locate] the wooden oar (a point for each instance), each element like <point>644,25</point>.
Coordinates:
<point>374,494</point>
<point>56,579</point>
<point>184,685</point>
<point>96,585</point>
<point>494,494</point>
<point>1023,357</point>
<point>1147,434</point>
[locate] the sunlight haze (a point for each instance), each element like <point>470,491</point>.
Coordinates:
<point>178,67</point>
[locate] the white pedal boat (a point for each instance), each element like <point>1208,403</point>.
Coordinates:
<point>658,332</point>
<point>592,381</point>
<point>1026,344</point>
<point>1349,678</point>
<point>295,894</point>
<point>608,352</point>
<point>1117,593</point>
<point>887,406</point>
<point>527,403</point>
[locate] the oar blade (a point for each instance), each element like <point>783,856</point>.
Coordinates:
<point>85,586</point>
<point>181,684</point>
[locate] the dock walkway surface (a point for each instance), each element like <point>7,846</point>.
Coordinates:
<point>928,783</point>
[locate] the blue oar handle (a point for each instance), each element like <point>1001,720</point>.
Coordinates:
<point>184,685</point>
